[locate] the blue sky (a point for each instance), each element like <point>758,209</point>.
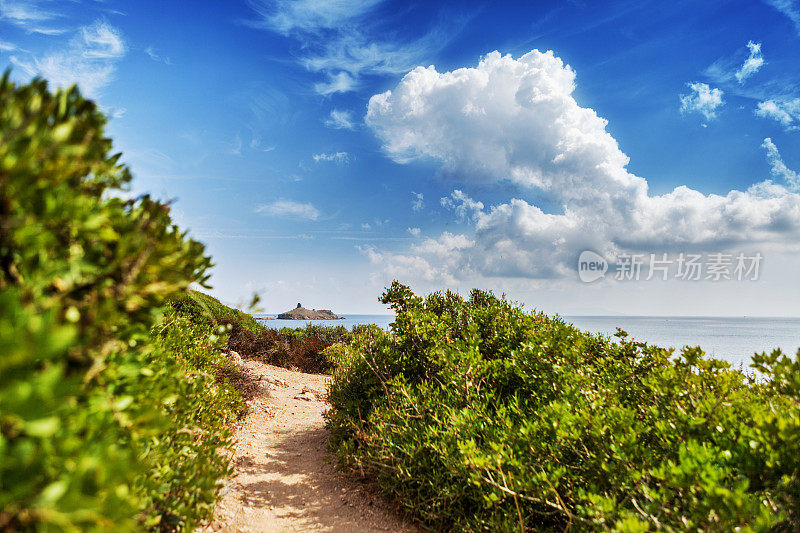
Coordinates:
<point>306,148</point>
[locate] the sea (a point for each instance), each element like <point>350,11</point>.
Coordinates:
<point>733,339</point>
<point>347,321</point>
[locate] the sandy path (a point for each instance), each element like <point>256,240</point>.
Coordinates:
<point>282,481</point>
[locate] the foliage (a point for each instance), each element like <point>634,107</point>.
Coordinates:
<point>205,308</point>
<point>103,423</point>
<point>478,416</point>
<point>295,348</point>
<point>196,382</point>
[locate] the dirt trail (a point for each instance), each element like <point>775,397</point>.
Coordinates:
<point>282,481</point>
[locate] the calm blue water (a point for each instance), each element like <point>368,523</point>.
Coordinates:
<point>348,321</point>
<point>732,339</point>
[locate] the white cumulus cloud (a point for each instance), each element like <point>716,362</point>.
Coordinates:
<point>464,206</point>
<point>516,120</point>
<point>752,64</point>
<point>703,99</point>
<point>401,266</point>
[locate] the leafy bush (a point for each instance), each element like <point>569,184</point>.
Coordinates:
<point>109,416</point>
<point>295,348</point>
<point>204,308</point>
<point>196,386</point>
<point>477,416</point>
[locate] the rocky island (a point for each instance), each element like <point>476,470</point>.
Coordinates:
<point>301,313</point>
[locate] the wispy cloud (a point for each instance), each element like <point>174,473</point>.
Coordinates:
<point>786,112</point>
<point>333,157</point>
<point>21,12</point>
<point>790,8</point>
<point>778,168</point>
<point>257,143</point>
<point>340,120</point>
<point>152,54</point>
<point>731,71</point>
<point>289,209</point>
<point>235,146</point>
<point>417,201</point>
<point>288,16</point>
<point>263,109</point>
<point>115,112</point>
<point>703,99</point>
<point>6,46</point>
<point>752,64</point>
<point>341,82</point>
<point>101,41</point>
<point>338,42</point>
<point>89,60</point>
<point>49,31</point>
<point>776,94</point>
<point>354,53</point>
<point>26,14</point>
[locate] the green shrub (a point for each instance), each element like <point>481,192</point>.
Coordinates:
<point>477,416</point>
<point>294,348</point>
<point>195,383</point>
<point>109,416</point>
<point>204,308</point>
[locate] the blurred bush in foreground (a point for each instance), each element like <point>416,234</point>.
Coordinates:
<point>110,414</point>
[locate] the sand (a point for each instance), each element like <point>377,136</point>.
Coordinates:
<point>283,479</point>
